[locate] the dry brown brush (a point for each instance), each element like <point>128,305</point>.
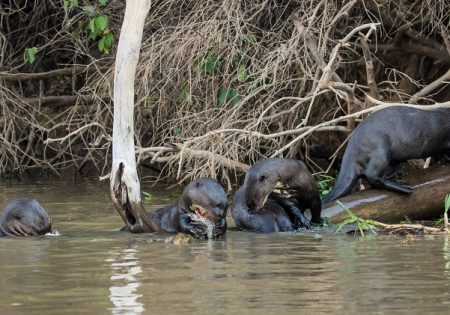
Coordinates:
<point>220,84</point>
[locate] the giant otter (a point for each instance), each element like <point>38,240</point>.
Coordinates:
<point>386,138</point>
<point>200,211</point>
<point>274,196</point>
<point>24,217</point>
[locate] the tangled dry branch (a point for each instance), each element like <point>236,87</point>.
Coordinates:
<point>219,86</point>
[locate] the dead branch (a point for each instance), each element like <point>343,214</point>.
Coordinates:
<point>380,105</point>
<point>49,101</point>
<point>47,75</point>
<point>431,87</point>
<point>371,82</point>
<point>181,149</point>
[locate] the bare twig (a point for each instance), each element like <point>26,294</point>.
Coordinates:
<point>431,87</point>
<point>380,105</point>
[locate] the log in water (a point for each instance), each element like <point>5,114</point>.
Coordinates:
<point>427,201</point>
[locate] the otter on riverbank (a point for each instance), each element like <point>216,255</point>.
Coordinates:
<point>386,138</point>
<point>24,217</point>
<point>274,196</point>
<point>200,211</point>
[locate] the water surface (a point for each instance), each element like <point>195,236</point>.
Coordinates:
<point>95,269</point>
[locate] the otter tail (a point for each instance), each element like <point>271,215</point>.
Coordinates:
<point>345,182</point>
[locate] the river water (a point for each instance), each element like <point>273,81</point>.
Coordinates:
<point>92,268</point>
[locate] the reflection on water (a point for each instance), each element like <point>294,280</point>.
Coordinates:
<point>125,267</point>
<point>92,268</point>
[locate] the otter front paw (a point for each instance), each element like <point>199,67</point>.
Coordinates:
<point>220,228</point>
<point>196,228</point>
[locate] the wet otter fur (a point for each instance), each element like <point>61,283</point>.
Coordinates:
<point>24,217</point>
<point>200,211</point>
<point>274,196</point>
<point>386,138</point>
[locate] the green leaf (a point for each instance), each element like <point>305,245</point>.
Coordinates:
<point>208,65</point>
<point>185,94</point>
<point>93,29</point>
<point>89,11</point>
<point>102,2</point>
<point>346,209</point>
<point>447,203</point>
<point>101,44</point>
<point>242,73</point>
<point>344,223</point>
<point>226,95</point>
<point>101,22</point>
<point>65,5</point>
<point>105,44</point>
<point>250,38</point>
<point>29,55</point>
<point>73,3</point>
<point>177,130</point>
<point>147,197</point>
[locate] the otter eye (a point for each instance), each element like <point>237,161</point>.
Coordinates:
<point>17,217</point>
<point>262,178</point>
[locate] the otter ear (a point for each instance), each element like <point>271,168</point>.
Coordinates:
<point>197,184</point>
<point>262,178</point>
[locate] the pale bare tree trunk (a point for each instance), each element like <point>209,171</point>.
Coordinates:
<point>125,187</point>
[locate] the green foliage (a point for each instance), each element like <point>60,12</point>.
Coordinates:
<point>176,131</point>
<point>226,95</point>
<point>147,197</point>
<point>446,208</point>
<point>250,38</point>
<point>242,75</point>
<point>185,94</point>
<point>69,4</point>
<point>210,64</point>
<point>447,203</point>
<point>97,25</point>
<point>150,198</point>
<point>326,223</point>
<point>361,224</point>
<point>29,55</point>
<point>89,11</point>
<point>325,185</point>
<point>105,44</point>
<point>92,21</point>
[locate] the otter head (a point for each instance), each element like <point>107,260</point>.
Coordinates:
<point>204,197</point>
<point>274,175</point>
<point>25,217</point>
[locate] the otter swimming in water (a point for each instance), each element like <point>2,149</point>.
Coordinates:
<point>24,217</point>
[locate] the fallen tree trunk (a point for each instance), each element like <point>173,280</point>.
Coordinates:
<point>427,201</point>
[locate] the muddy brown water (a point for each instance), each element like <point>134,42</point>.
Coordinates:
<point>92,268</point>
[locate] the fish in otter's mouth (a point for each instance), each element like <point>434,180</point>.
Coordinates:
<point>284,191</point>
<point>210,220</point>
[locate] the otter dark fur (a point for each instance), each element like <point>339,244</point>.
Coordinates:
<point>274,196</point>
<point>386,138</point>
<point>202,193</point>
<point>24,217</point>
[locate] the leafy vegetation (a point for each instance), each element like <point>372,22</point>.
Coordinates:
<point>240,79</point>
<point>362,225</point>
<point>90,20</point>
<point>325,185</point>
<point>30,55</point>
<point>160,199</point>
